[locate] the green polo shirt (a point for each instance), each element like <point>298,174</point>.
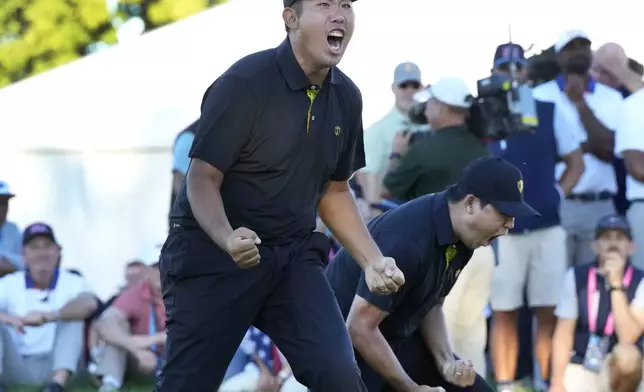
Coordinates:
<point>433,163</point>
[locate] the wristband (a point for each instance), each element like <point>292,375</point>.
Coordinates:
<point>395,155</point>
<point>617,288</point>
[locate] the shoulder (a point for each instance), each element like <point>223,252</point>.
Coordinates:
<point>13,278</point>
<point>349,91</point>
<point>546,92</point>
<point>608,94</point>
<point>185,137</point>
<point>10,227</point>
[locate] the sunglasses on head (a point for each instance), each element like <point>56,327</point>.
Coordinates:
<point>410,84</point>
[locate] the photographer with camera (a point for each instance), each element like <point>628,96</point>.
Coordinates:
<point>430,162</point>
<point>533,255</point>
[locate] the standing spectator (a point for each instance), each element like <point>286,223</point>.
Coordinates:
<point>591,110</point>
<point>10,246</point>
<point>605,52</point>
<point>432,163</point>
<point>601,310</point>
<point>41,316</point>
<point>181,158</point>
<point>629,143</point>
<point>533,255</point>
<point>379,137</point>
<point>133,329</point>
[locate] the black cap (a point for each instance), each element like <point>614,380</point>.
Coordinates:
<point>497,182</point>
<point>509,53</point>
<point>38,230</point>
<point>613,222</point>
<point>288,3</point>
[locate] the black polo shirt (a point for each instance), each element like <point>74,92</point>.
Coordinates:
<point>419,236</point>
<point>278,140</point>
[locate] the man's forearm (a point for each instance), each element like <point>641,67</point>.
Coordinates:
<point>561,348</point>
<point>208,208</point>
<point>600,139</point>
<point>340,213</point>
<point>77,309</point>
<point>375,350</point>
<point>627,328</point>
<point>572,173</point>
<point>435,335</point>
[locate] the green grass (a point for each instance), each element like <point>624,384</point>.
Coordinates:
<point>85,386</point>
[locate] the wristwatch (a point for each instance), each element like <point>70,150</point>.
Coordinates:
<point>617,288</point>
<point>395,155</point>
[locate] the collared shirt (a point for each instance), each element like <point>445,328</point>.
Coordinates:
<point>379,139</point>
<point>279,140</point>
<point>419,236</point>
<point>11,244</point>
<point>433,163</point>
<point>606,103</point>
<point>630,136</point>
<point>136,304</point>
<point>18,296</point>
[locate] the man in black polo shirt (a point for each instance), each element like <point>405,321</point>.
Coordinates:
<point>401,340</point>
<point>280,134</point>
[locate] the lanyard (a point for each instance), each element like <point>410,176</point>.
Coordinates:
<point>152,328</point>
<point>609,328</point>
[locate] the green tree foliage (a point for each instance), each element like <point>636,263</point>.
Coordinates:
<point>37,35</point>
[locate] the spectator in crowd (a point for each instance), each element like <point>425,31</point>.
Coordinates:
<point>10,246</point>
<point>605,52</point>
<point>434,162</point>
<point>629,142</point>
<point>533,255</point>
<point>601,310</point>
<point>379,138</point>
<point>181,158</point>
<point>133,329</point>
<point>265,369</point>
<point>591,110</point>
<point>41,316</point>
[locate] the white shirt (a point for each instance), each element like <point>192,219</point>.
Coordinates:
<point>17,299</point>
<point>606,103</point>
<point>630,136</point>
<point>567,307</point>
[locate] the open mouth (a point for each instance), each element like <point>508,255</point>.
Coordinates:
<point>335,40</point>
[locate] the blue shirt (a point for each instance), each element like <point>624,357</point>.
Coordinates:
<point>536,155</point>
<point>11,244</point>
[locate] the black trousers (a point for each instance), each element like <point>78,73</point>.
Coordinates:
<point>210,303</point>
<point>419,364</point>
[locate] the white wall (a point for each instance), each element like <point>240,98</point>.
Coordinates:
<point>86,146</point>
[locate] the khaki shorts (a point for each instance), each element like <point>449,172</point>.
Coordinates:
<point>537,261</point>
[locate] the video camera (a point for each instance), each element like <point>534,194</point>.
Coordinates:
<point>503,108</point>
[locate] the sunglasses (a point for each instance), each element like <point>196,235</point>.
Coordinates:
<point>406,85</point>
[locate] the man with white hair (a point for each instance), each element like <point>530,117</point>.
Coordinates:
<point>629,139</point>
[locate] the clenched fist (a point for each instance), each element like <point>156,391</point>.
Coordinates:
<point>383,276</point>
<point>242,247</point>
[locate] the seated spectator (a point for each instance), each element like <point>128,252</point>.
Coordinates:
<point>10,246</point>
<point>265,370</point>
<point>133,329</point>
<point>601,311</point>
<point>41,316</point>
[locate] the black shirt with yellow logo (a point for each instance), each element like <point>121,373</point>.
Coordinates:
<point>434,162</point>
<point>419,236</point>
<point>279,140</point>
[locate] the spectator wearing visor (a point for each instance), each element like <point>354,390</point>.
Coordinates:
<point>600,317</point>
<point>432,163</point>
<point>533,254</point>
<point>592,111</point>
<point>379,137</point>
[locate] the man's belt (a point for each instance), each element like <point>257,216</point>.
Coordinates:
<point>603,195</point>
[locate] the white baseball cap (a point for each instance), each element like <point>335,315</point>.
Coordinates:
<point>449,90</point>
<point>5,190</point>
<point>568,37</point>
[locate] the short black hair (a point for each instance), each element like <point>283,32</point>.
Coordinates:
<point>454,195</point>
<point>297,6</point>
